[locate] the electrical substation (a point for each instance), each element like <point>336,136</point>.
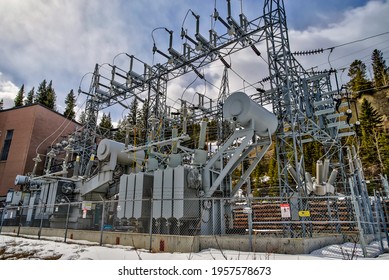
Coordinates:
<point>166,182</point>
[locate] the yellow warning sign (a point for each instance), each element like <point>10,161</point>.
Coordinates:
<point>304,213</point>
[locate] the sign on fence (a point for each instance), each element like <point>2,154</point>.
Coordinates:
<point>285,210</point>
<point>304,213</point>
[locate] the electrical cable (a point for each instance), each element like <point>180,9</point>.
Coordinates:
<point>331,49</point>
<point>357,41</point>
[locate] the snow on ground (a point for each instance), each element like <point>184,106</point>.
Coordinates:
<point>28,247</point>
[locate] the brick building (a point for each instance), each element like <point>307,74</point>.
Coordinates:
<point>23,130</point>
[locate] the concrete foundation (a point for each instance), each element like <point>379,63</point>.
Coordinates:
<point>186,244</point>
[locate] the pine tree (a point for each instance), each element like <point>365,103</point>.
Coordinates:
<point>45,94</point>
<point>120,133</point>
<point>30,97</point>
<point>273,171</point>
<point>383,142</point>
<point>19,97</point>
<point>51,96</point>
<point>133,114</point>
<point>380,70</point>
<point>41,93</point>
<point>106,125</point>
<point>370,155</point>
<point>70,104</point>
<point>358,83</point>
<point>106,121</point>
<point>312,152</point>
<point>143,121</point>
<point>369,117</point>
<point>82,118</point>
<point>368,152</point>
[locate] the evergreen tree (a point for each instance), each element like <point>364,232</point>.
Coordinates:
<point>358,81</point>
<point>51,96</point>
<point>30,97</point>
<point>106,125</point>
<point>273,171</point>
<point>383,142</point>
<point>369,117</point>
<point>367,152</point>
<point>41,93</point>
<point>19,97</point>
<point>121,131</point>
<point>370,151</point>
<point>133,114</point>
<point>380,70</point>
<point>106,121</point>
<point>70,102</point>
<point>142,122</point>
<point>313,151</point>
<point>45,94</point>
<point>82,118</point>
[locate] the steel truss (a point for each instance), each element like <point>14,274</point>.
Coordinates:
<point>307,107</point>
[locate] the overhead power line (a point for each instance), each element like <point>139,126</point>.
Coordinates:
<point>357,41</point>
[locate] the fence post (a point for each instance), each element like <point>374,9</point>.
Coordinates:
<point>151,223</point>
<point>41,223</point>
<point>249,211</point>
<point>2,219</point>
<point>102,223</point>
<point>67,222</point>
<point>19,219</point>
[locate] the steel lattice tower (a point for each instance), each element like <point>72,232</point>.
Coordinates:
<point>306,107</point>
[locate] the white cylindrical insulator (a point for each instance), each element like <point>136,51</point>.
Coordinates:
<point>326,169</point>
<point>203,134</point>
<point>309,182</point>
<point>333,176</point>
<point>319,172</point>
<point>350,161</point>
<point>107,147</point>
<point>240,108</point>
<point>76,169</point>
<point>174,144</point>
<point>292,173</point>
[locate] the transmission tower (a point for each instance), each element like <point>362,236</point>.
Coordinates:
<point>306,108</point>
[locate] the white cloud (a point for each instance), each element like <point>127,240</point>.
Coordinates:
<point>357,24</point>
<point>63,40</point>
<point>8,91</point>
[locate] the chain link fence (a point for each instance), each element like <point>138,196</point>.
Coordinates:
<point>257,217</point>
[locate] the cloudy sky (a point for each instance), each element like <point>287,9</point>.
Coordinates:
<point>63,40</point>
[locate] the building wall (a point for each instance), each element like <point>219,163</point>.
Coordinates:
<point>34,127</point>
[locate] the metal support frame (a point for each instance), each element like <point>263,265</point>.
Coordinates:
<point>303,102</point>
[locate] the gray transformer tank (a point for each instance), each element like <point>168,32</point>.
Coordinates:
<point>164,199</point>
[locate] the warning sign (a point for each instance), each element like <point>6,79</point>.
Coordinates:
<point>304,213</point>
<point>84,211</point>
<point>285,210</point>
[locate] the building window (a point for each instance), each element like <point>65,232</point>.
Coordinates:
<point>7,145</point>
